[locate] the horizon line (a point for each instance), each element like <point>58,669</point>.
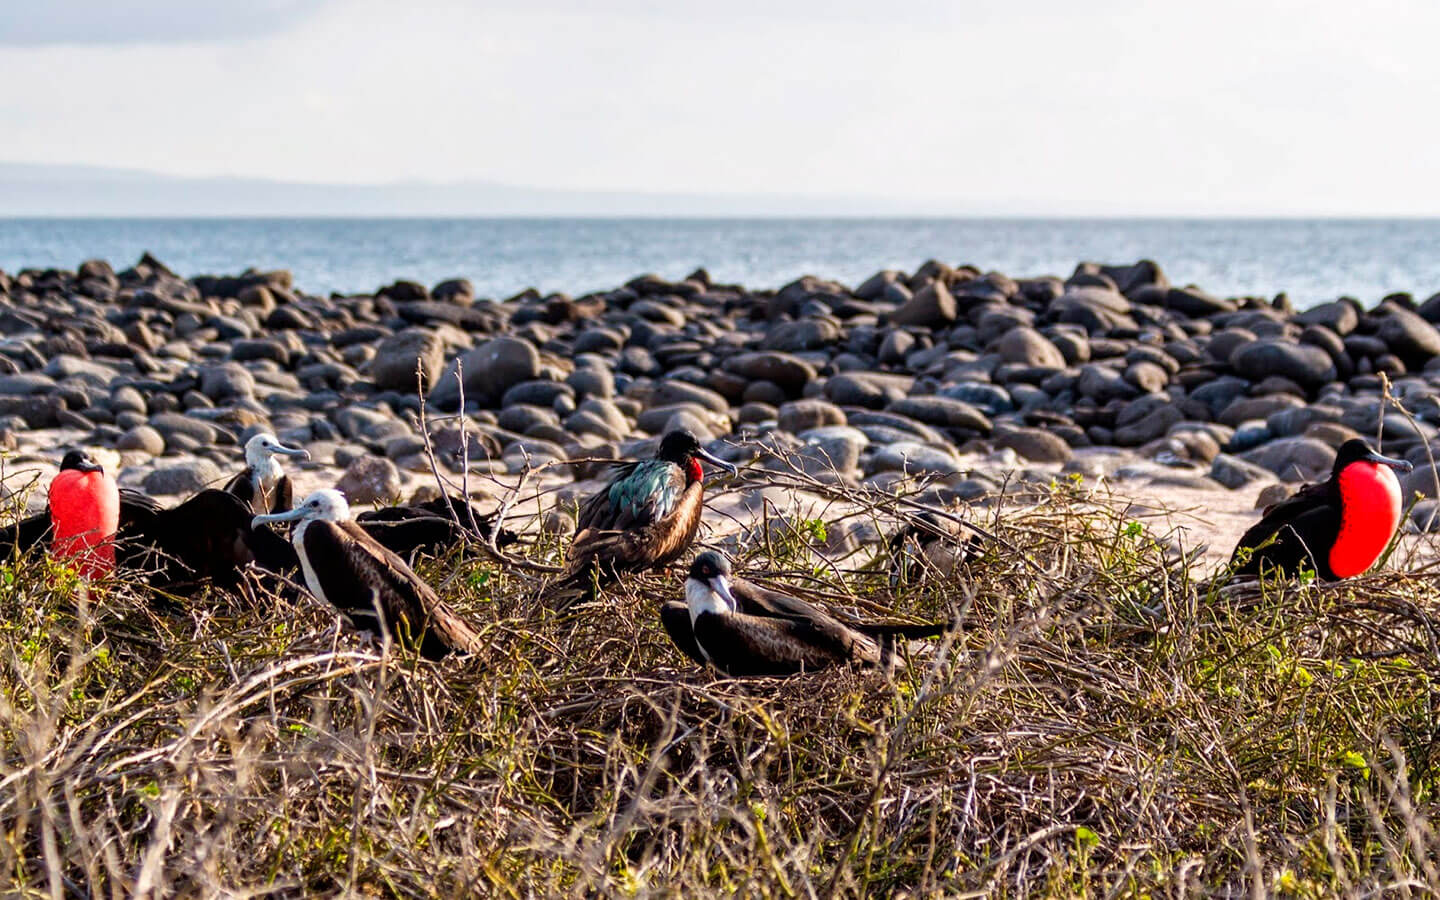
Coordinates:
<point>728,217</point>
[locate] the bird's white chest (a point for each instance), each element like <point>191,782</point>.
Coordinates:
<point>701,600</point>
<point>265,475</point>
<point>312,580</point>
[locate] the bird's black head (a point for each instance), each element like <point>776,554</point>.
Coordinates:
<point>1355,450</point>
<point>709,565</point>
<point>682,448</point>
<point>678,447</point>
<point>79,461</point>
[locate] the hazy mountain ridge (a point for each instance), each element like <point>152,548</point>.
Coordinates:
<point>35,189</point>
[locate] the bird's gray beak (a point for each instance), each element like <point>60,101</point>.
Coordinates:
<point>716,461</point>
<point>300,452</point>
<point>1397,464</point>
<point>721,586</point>
<point>268,518</point>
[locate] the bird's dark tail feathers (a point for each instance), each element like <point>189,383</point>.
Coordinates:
<point>906,632</point>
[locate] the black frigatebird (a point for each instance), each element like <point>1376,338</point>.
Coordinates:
<point>371,587</point>
<point>1338,527</point>
<point>208,537</point>
<point>645,516</point>
<point>743,629</point>
<point>928,545</point>
<point>429,527</point>
<point>263,484</point>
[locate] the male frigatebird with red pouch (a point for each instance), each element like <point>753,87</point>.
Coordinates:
<point>84,515</point>
<point>1337,527</point>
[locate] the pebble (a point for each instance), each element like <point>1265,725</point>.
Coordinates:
<point>1234,472</point>
<point>1034,444</point>
<point>1296,459</point>
<point>142,437</point>
<point>488,372</point>
<point>799,416</point>
<point>915,458</point>
<point>408,361</point>
<point>184,479</point>
<point>932,306</point>
<point>941,411</point>
<point>1028,347</point>
<point>369,479</point>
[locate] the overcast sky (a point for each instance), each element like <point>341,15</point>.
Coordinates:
<point>995,106</point>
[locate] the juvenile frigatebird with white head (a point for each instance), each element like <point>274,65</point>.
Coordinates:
<point>1337,527</point>
<point>372,587</point>
<point>744,629</point>
<point>263,484</point>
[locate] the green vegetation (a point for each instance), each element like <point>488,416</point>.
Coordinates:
<point>1100,726</point>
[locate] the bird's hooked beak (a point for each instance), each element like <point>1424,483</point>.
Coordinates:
<point>299,452</point>
<point>1397,464</point>
<point>88,465</point>
<point>268,518</point>
<point>721,586</point>
<point>716,461</point>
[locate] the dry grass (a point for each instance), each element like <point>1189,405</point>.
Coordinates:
<point>1100,726</point>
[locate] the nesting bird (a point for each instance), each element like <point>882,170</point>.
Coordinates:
<point>928,545</point>
<point>1338,527</point>
<point>207,538</point>
<point>744,629</point>
<point>84,515</point>
<point>646,516</point>
<point>263,484</point>
<point>429,527</point>
<point>372,587</point>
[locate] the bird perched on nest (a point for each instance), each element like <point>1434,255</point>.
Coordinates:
<point>208,538</point>
<point>744,629</point>
<point>1338,527</point>
<point>645,516</point>
<point>430,527</point>
<point>371,587</point>
<point>262,484</point>
<point>928,545</point>
<point>84,514</point>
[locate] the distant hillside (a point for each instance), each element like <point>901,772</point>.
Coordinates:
<point>43,190</point>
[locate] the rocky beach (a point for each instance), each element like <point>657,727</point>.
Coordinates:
<point>964,384</point>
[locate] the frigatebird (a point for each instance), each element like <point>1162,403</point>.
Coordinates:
<point>263,484</point>
<point>645,516</point>
<point>371,587</point>
<point>744,629</point>
<point>84,512</point>
<point>928,545</point>
<point>1337,527</point>
<point>429,527</point>
<point>208,537</point>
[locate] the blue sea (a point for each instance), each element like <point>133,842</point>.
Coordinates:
<point>1311,260</point>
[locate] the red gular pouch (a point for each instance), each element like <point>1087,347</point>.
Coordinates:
<point>84,516</point>
<point>1369,514</point>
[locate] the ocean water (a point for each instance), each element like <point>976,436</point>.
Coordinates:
<point>1311,260</point>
